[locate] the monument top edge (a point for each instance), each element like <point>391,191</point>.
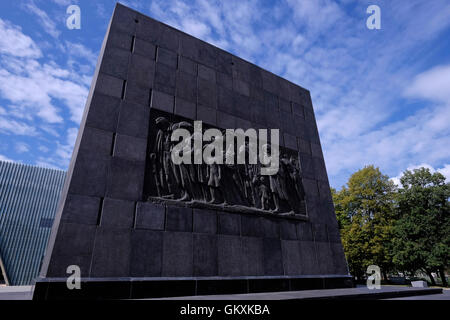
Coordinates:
<point>120,6</point>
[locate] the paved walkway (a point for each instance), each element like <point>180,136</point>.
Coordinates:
<point>444,296</point>
<point>386,292</point>
<point>349,293</point>
<point>15,293</point>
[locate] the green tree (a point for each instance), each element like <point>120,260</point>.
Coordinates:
<point>422,232</point>
<point>364,210</point>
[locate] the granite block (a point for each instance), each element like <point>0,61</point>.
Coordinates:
<point>304,231</point>
<point>185,108</point>
<point>187,65</point>
<point>292,261</point>
<point>179,219</point>
<point>186,86</point>
<point>205,255</point>
<point>146,253</point>
<point>150,216</point>
<point>133,120</point>
<point>137,93</point>
<point>89,176</point>
<point>125,179</point>
<point>165,79</point>
<point>162,101</point>
<point>207,94</point>
<point>252,256</point>
<point>206,73</point>
<point>111,256</point>
<point>272,257</point>
<point>229,224</point>
<point>81,209</point>
<point>103,112</point>
<point>141,71</point>
<point>96,142</point>
<point>177,247</point>
<point>81,239</point>
<point>204,221</point>
<point>117,213</point>
<point>167,57</point>
<point>308,257</point>
<point>229,251</point>
<point>207,115</point>
<point>109,85</point>
<point>115,62</point>
<point>130,148</point>
<point>288,230</point>
<point>144,48</point>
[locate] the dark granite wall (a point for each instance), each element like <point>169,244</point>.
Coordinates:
<point>102,224</point>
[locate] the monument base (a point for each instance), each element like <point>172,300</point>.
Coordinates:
<point>140,288</point>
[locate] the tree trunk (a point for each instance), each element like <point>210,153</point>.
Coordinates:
<point>433,283</point>
<point>385,278</point>
<point>442,275</point>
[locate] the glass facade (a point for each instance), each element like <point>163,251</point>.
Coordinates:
<point>28,199</point>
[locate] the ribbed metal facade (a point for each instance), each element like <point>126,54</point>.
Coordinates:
<point>28,199</point>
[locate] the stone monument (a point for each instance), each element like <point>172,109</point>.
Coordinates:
<point>137,225</point>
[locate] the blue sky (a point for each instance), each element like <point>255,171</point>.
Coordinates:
<point>381,97</point>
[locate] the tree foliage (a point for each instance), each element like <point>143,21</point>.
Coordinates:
<point>364,210</point>
<point>422,232</point>
<point>406,229</point>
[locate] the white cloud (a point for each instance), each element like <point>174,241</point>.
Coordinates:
<point>77,50</point>
<point>22,147</point>
<point>18,128</point>
<point>43,149</point>
<point>445,171</point>
<point>65,2</point>
<point>432,85</point>
<point>45,21</point>
<point>4,158</point>
<point>36,87</point>
<point>14,42</point>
